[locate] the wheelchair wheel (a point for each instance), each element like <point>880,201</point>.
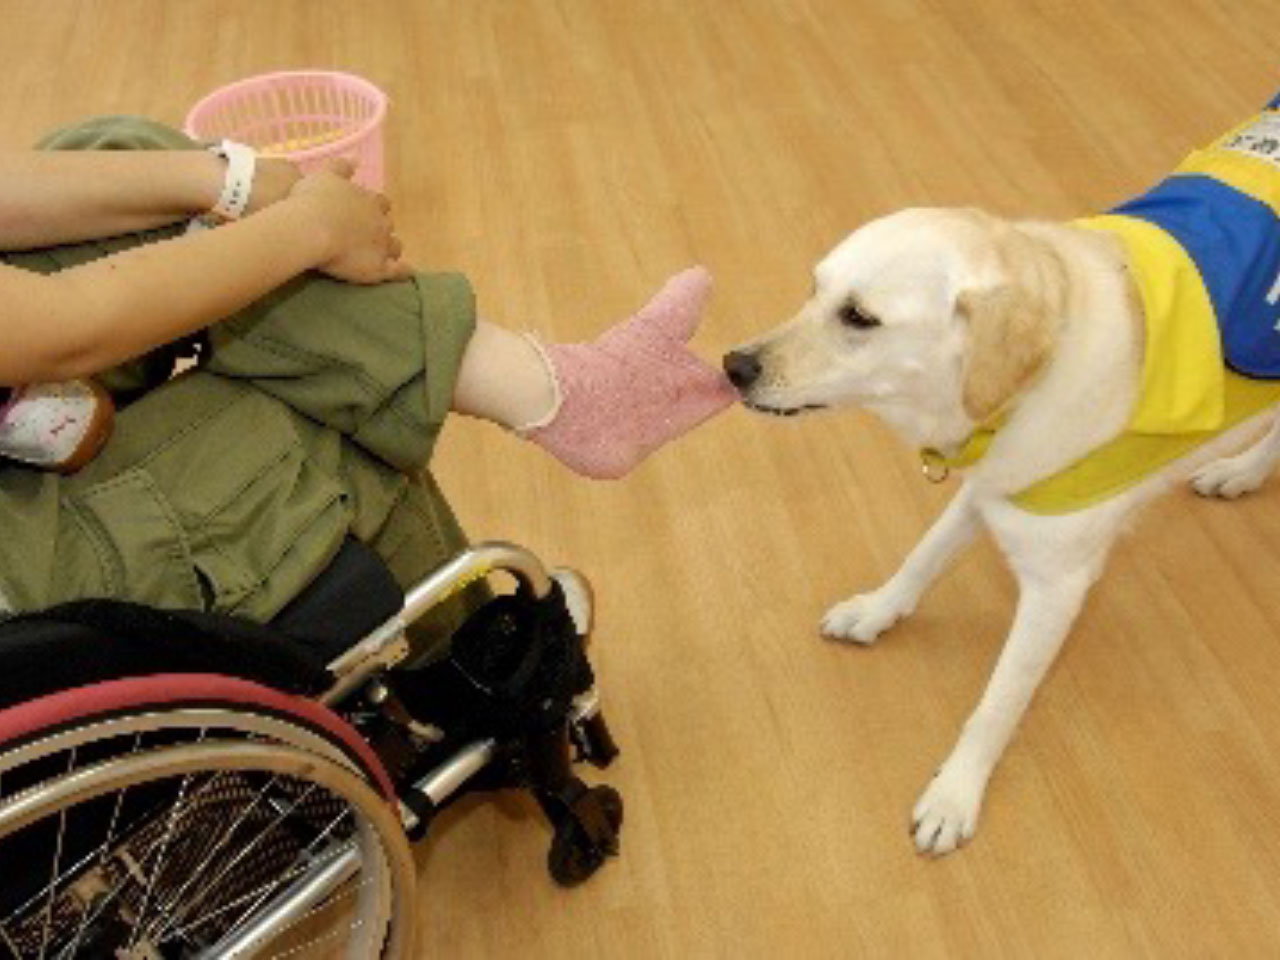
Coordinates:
<point>186,817</point>
<point>586,835</point>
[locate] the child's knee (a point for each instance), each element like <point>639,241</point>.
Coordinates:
<point>117,133</point>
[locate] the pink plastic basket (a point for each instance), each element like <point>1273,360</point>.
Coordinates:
<point>305,115</point>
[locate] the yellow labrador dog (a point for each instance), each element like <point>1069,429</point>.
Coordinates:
<point>954,323</point>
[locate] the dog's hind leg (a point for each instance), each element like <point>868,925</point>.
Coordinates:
<point>1232,477</point>
<point>864,617</point>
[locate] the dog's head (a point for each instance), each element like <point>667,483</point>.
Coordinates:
<point>932,319</point>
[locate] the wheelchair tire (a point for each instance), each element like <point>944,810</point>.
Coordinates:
<point>195,816</point>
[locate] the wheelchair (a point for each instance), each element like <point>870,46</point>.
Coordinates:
<point>191,785</point>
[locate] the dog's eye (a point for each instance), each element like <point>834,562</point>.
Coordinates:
<point>851,315</point>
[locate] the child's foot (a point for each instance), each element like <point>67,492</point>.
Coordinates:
<point>634,388</point>
<point>57,426</point>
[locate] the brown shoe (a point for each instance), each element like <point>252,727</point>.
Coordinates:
<point>56,426</point>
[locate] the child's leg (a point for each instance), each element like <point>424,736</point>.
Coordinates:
<point>386,364</point>
<point>503,378</point>
<point>600,407</point>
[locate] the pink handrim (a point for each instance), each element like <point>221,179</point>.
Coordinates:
<point>112,696</point>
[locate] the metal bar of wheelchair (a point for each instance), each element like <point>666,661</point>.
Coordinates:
<point>290,905</point>
<point>379,649</point>
<point>387,645</point>
<point>447,778</point>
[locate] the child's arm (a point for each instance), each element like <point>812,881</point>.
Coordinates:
<point>61,196</point>
<point>87,318</point>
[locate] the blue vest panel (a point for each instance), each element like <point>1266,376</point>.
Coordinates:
<point>1234,240</point>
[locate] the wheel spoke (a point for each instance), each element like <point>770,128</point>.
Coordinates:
<point>328,902</point>
<point>102,852</point>
<point>46,925</point>
<point>294,951</point>
<point>49,888</point>
<point>174,816</point>
<point>6,941</point>
<point>148,844</point>
<point>244,852</point>
<point>261,893</point>
<point>176,899</point>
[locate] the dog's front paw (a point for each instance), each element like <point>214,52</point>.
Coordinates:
<point>1230,477</point>
<point>946,815</point>
<point>866,616</point>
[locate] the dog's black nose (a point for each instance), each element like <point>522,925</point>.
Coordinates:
<point>742,368</point>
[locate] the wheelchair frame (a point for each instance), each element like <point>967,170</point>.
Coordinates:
<point>586,820</point>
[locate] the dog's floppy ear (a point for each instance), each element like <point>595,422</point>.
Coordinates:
<point>1012,319</point>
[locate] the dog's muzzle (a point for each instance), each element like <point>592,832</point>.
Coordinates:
<point>742,368</point>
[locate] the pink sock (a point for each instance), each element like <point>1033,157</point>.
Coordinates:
<point>634,388</point>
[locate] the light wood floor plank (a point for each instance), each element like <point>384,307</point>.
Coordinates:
<point>568,154</point>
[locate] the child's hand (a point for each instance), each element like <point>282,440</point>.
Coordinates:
<point>357,224</point>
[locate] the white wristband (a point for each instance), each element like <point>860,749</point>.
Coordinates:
<point>238,185</point>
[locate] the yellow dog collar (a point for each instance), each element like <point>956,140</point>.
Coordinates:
<point>937,465</point>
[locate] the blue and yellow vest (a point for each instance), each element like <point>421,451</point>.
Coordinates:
<point>1204,251</point>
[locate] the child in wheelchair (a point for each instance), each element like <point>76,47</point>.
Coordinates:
<point>249,652</point>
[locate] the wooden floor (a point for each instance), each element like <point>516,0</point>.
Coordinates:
<point>568,155</point>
